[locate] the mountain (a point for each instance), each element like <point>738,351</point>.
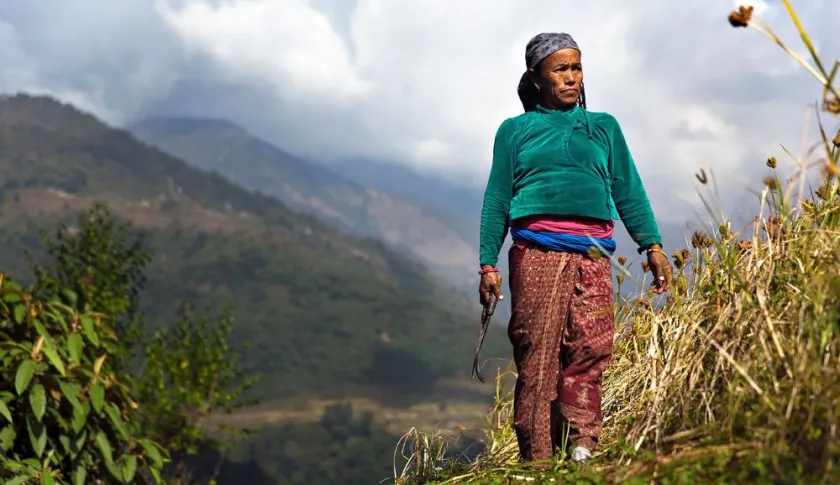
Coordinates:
<point>431,236</point>
<point>328,312</point>
<point>459,206</point>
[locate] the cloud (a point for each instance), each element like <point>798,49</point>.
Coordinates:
<point>426,82</point>
<point>107,57</point>
<point>287,45</point>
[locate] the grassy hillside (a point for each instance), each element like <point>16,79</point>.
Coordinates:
<point>736,377</point>
<point>327,312</point>
<point>406,225</point>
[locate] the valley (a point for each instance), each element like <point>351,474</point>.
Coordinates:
<point>314,301</point>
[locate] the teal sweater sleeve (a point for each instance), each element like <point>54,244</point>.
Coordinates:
<point>497,195</point>
<point>628,192</point>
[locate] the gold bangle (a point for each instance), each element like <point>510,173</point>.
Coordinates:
<point>657,250</point>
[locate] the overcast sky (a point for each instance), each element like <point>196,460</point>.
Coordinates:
<point>426,83</point>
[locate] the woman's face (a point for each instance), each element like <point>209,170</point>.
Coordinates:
<point>559,78</point>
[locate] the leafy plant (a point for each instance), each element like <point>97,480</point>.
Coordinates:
<point>188,369</point>
<point>67,416</point>
<point>191,372</point>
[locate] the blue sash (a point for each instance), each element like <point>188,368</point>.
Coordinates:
<point>568,243</point>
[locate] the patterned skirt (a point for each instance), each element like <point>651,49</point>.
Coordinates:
<point>561,329</point>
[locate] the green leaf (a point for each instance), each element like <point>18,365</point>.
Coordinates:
<point>156,473</point>
<point>71,393</point>
<point>24,375</point>
<point>37,436</point>
<point>79,444</point>
<point>38,401</point>
<point>79,475</point>
<point>107,455</point>
<point>12,284</point>
<point>19,480</point>
<point>54,359</point>
<point>79,419</point>
<point>41,329</point>
<point>57,317</point>
<point>46,478</point>
<point>7,438</point>
<point>74,347</point>
<point>4,411</point>
<point>114,470</point>
<point>53,413</point>
<point>20,313</point>
<point>115,417</point>
<point>152,452</point>
<point>97,396</point>
<point>69,296</point>
<point>129,468</point>
<point>64,440</point>
<point>105,448</point>
<point>90,330</point>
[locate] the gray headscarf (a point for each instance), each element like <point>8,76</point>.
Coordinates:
<point>539,47</point>
<point>543,45</point>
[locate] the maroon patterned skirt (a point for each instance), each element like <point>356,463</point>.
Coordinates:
<point>561,329</point>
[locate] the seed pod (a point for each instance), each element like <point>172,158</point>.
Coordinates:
<point>741,17</point>
<point>701,240</point>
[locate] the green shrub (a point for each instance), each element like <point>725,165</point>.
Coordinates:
<point>66,416</point>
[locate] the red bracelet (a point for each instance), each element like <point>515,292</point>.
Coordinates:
<point>488,270</point>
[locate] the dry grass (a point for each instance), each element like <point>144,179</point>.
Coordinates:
<point>741,363</point>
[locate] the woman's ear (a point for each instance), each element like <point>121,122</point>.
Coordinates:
<point>534,77</point>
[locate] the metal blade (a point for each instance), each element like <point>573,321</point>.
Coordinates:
<point>486,313</point>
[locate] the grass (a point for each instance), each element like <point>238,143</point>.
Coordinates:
<point>735,377</point>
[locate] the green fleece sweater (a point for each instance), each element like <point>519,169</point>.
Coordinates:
<point>566,163</point>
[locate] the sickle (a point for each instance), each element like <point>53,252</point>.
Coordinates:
<point>486,313</point>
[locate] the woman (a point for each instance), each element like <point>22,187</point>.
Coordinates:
<point>560,176</point>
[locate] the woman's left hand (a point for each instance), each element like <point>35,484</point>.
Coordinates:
<point>661,268</point>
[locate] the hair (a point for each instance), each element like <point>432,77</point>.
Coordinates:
<point>530,95</point>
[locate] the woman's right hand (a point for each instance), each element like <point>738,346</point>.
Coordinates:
<point>491,284</point>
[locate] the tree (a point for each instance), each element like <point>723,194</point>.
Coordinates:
<point>191,372</point>
<point>187,371</point>
<point>102,261</point>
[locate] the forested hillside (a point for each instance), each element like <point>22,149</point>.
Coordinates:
<point>328,313</point>
<point>438,239</point>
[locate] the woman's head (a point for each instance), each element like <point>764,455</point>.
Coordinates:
<point>555,74</point>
